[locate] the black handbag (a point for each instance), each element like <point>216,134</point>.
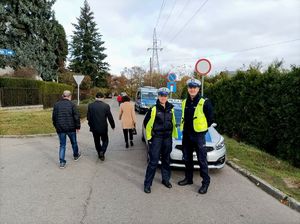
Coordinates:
<point>134,131</point>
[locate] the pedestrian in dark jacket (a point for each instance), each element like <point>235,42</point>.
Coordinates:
<point>66,121</point>
<point>97,115</point>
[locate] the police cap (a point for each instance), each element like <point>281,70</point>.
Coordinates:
<point>163,91</point>
<point>192,83</point>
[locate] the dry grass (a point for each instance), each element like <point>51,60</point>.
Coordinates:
<point>276,172</point>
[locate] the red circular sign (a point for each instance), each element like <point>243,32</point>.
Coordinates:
<point>203,66</point>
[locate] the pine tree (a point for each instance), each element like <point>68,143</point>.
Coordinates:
<point>87,49</point>
<point>61,48</point>
<point>28,27</point>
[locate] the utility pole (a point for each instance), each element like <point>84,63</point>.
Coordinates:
<point>154,64</point>
<point>150,70</point>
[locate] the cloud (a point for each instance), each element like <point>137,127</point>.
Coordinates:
<point>220,27</point>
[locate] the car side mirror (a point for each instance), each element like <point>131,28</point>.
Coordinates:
<point>214,125</point>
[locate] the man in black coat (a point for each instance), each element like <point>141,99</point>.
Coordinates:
<point>97,115</point>
<point>66,121</point>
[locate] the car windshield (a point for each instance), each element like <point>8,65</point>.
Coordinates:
<point>178,112</point>
<point>149,95</point>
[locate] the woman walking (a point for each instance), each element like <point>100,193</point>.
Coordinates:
<point>128,119</point>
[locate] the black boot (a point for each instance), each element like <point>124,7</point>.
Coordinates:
<point>167,184</point>
<point>131,143</point>
<point>127,145</point>
<point>101,156</point>
<point>147,190</point>
<point>203,189</point>
<point>185,182</point>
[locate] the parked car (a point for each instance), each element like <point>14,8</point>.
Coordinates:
<point>215,146</point>
<point>145,98</point>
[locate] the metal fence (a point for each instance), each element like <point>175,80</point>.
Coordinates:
<point>19,96</point>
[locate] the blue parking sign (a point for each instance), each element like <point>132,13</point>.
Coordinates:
<point>172,86</point>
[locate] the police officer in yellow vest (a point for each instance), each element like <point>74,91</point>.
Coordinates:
<point>160,127</point>
<point>196,118</point>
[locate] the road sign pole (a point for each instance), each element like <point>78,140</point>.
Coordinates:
<point>77,94</point>
<point>202,86</point>
<point>78,78</point>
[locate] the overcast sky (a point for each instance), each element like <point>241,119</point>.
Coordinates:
<point>221,31</point>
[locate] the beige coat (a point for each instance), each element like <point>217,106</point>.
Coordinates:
<point>127,115</point>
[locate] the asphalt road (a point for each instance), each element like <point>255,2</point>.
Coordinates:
<point>34,190</point>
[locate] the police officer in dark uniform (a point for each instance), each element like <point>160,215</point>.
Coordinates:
<point>160,126</point>
<point>196,118</point>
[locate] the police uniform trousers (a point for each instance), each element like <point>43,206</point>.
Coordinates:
<point>159,148</point>
<point>195,142</point>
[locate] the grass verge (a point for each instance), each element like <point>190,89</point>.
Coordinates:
<point>29,122</point>
<point>276,172</point>
<point>26,122</point>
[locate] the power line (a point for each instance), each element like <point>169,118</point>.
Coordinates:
<point>180,14</point>
<point>166,21</point>
<point>240,51</point>
<point>188,21</point>
<point>257,47</point>
<point>161,9</point>
<point>154,64</point>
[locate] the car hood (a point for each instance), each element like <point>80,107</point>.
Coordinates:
<point>211,137</point>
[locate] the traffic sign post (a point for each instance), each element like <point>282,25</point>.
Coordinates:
<point>203,67</point>
<point>172,84</point>
<point>172,77</point>
<point>172,87</point>
<point>78,78</point>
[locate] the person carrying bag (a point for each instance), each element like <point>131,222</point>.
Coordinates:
<point>128,119</point>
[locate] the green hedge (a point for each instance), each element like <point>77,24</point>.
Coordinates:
<point>262,109</point>
<point>49,92</point>
<point>82,108</point>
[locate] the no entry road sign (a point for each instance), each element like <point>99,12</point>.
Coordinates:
<point>203,66</point>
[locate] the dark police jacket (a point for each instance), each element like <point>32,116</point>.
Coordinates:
<point>190,107</point>
<point>65,116</point>
<point>163,125</point>
<point>97,115</point>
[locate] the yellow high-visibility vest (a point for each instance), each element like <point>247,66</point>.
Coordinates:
<point>199,119</point>
<point>150,123</point>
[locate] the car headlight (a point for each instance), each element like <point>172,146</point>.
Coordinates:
<point>220,145</point>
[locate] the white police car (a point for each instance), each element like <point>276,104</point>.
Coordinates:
<point>215,147</point>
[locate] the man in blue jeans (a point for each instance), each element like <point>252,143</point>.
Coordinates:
<point>66,121</point>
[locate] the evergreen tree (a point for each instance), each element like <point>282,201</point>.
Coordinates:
<point>61,48</point>
<point>87,49</point>
<point>29,28</point>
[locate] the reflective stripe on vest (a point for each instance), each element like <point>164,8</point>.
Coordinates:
<point>199,119</point>
<point>150,123</point>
